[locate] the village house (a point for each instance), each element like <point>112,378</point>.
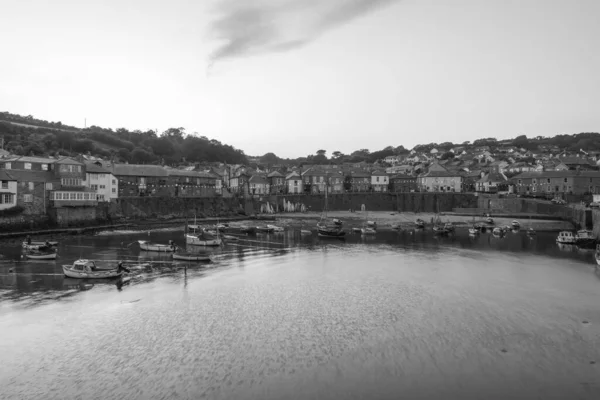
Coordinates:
<point>336,183</point>
<point>102,181</point>
<point>294,183</point>
<point>314,180</point>
<point>359,179</point>
<point>238,184</point>
<point>8,190</point>
<point>440,181</point>
<point>552,183</point>
<point>182,183</point>
<point>399,169</point>
<point>574,163</point>
<point>276,182</point>
<point>379,181</point>
<point>402,183</point>
<point>140,180</point>
<point>258,184</point>
<point>492,182</point>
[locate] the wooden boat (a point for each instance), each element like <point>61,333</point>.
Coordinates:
<point>368,231</point>
<point>330,231</point>
<point>230,237</point>
<point>198,236</point>
<point>449,227</point>
<point>585,238</point>
<point>356,230</point>
<point>37,245</point>
<point>247,229</point>
<point>498,231</point>
<point>420,223</point>
<point>149,246</point>
<point>489,220</point>
<point>191,257</point>
<point>265,229</point>
<point>531,232</point>
<point>337,222</point>
<point>305,232</point>
<point>276,228</point>
<point>515,224</point>
<point>439,229</point>
<point>474,230</point>
<point>39,255</point>
<point>565,237</point>
<point>86,269</point>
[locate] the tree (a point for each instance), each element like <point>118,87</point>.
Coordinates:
<point>320,158</point>
<point>337,154</point>
<point>348,183</point>
<point>520,141</point>
<point>447,155</point>
<point>269,158</point>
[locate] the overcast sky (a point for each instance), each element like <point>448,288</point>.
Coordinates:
<point>295,76</point>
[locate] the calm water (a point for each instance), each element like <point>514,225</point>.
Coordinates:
<point>285,316</point>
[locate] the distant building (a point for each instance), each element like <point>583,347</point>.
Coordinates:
<point>402,183</point>
<point>552,183</point>
<point>8,190</point>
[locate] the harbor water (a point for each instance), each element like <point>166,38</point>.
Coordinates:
<point>291,316</point>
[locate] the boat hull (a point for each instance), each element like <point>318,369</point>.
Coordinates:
<point>191,257</point>
<point>331,234</point>
<point>163,248</point>
<point>70,273</point>
<point>47,256</point>
<point>196,241</point>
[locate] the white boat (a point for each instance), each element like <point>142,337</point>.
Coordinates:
<point>230,237</point>
<point>531,232</point>
<point>585,238</point>
<point>498,231</point>
<point>515,224</point>
<point>356,230</point>
<point>198,236</point>
<point>41,255</point>
<point>149,246</point>
<point>489,220</point>
<point>38,244</point>
<point>305,232</point>
<point>473,231</point>
<point>566,237</point>
<point>191,257</point>
<point>276,228</point>
<point>368,231</point>
<point>86,269</point>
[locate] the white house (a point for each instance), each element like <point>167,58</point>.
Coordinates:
<point>294,183</point>
<point>102,181</point>
<point>8,190</point>
<point>379,181</point>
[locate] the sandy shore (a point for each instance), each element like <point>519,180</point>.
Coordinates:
<point>387,219</point>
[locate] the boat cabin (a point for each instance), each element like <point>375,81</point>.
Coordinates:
<point>84,266</point>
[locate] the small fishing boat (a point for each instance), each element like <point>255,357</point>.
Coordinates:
<point>265,229</point>
<point>230,237</point>
<point>305,232</point>
<point>449,227</point>
<point>276,228</point>
<point>368,231</point>
<point>356,230</point>
<point>585,238</point>
<point>85,269</point>
<point>191,257</point>
<point>531,232</point>
<point>37,245</point>
<point>334,231</point>
<point>149,246</point>
<point>247,229</point>
<point>498,231</point>
<point>420,223</point>
<point>515,224</point>
<point>198,236</point>
<point>40,255</point>
<point>489,220</point>
<point>474,231</point>
<point>396,227</point>
<point>337,222</point>
<point>565,237</point>
<point>439,229</point>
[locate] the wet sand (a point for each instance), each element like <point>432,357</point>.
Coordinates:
<point>406,220</point>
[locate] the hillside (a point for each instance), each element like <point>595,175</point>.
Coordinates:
<point>30,136</point>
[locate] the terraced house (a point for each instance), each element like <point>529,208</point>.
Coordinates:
<point>8,190</point>
<point>552,183</point>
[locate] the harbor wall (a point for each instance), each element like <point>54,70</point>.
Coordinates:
<point>399,202</point>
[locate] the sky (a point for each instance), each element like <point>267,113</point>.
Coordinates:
<point>295,76</point>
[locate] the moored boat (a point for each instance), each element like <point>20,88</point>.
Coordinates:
<point>585,238</point>
<point>489,220</point>
<point>498,231</point>
<point>86,269</point>
<point>420,223</point>
<point>39,255</point>
<point>305,232</point>
<point>191,257</point>
<point>473,231</point>
<point>368,231</point>
<point>531,232</point>
<point>515,224</point>
<point>565,237</point>
<point>37,245</point>
<point>276,228</point>
<point>265,229</point>
<point>247,229</point>
<point>330,231</point>
<point>149,246</point>
<point>198,236</point>
<point>449,227</point>
<point>356,230</point>
<point>230,237</point>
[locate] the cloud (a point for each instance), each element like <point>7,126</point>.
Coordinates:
<point>249,27</point>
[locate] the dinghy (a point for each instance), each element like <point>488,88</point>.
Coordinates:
<point>191,257</point>
<point>39,255</point>
<point>37,245</point>
<point>305,232</point>
<point>276,228</point>
<point>149,246</point>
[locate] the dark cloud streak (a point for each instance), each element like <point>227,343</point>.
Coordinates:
<point>251,27</point>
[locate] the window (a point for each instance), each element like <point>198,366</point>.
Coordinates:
<point>93,177</point>
<point>377,179</point>
<point>57,196</point>
<point>565,180</point>
<point>71,182</point>
<point>548,180</point>
<point>7,165</point>
<point>94,187</point>
<point>101,197</point>
<point>73,196</point>
<point>6,198</point>
<point>101,176</point>
<point>27,165</point>
<point>114,190</point>
<point>48,185</point>
<point>79,168</point>
<point>535,181</point>
<point>79,196</point>
<point>28,198</point>
<point>64,168</point>
<point>86,196</point>
<point>31,185</point>
<point>114,182</point>
<point>44,167</point>
<point>102,186</point>
<point>4,184</point>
